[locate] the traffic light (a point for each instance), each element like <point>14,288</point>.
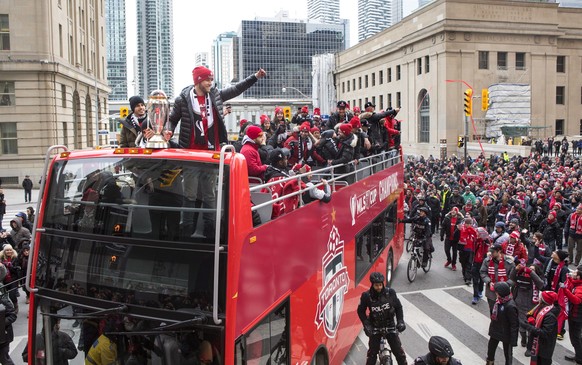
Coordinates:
<point>484,99</point>
<point>287,112</point>
<point>468,98</point>
<point>123,112</point>
<point>461,142</point>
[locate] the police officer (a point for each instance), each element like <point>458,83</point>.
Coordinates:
<point>422,231</point>
<point>440,353</point>
<point>381,305</point>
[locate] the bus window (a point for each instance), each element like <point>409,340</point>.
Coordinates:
<point>268,342</point>
<point>136,197</point>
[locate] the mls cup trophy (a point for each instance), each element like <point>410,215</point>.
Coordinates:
<point>158,113</point>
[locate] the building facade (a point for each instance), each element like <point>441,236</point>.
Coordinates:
<point>116,48</point>
<point>424,63</point>
<point>323,11</point>
<point>397,11</point>
<point>373,17</point>
<point>223,60</point>
<point>53,80</point>
<point>155,48</point>
<point>201,59</point>
<point>284,48</point>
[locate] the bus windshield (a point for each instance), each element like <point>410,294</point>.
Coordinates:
<point>135,197</point>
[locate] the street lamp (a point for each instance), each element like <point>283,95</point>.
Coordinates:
<point>284,89</point>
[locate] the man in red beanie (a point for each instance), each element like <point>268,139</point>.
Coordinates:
<point>252,141</point>
<point>199,109</point>
<point>542,324</point>
<point>302,116</point>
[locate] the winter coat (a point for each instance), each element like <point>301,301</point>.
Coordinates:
<point>251,152</point>
<point>19,233</point>
<point>484,272</point>
<point>546,334</point>
<point>551,231</point>
<point>428,359</point>
<point>377,132</point>
<point>335,118</point>
<point>183,112</point>
<point>9,318</point>
<point>523,290</point>
<point>130,131</point>
<point>575,301</point>
<point>345,154</point>
<point>63,347</point>
<point>382,308</point>
<point>506,327</point>
<point>27,184</point>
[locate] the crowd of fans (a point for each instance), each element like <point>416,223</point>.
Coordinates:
<point>516,221</point>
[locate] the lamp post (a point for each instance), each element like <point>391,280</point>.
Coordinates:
<point>284,90</point>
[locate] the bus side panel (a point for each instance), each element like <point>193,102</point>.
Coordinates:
<point>306,251</point>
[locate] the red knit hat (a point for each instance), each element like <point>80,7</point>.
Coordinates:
<point>552,214</point>
<point>346,128</point>
<point>549,297</point>
<point>278,110</point>
<point>316,111</point>
<point>355,122</point>
<point>305,109</point>
<point>264,118</point>
<point>514,234</point>
<point>253,132</point>
<point>305,126</point>
<point>201,73</point>
<point>243,122</point>
<point>357,109</point>
<point>315,129</point>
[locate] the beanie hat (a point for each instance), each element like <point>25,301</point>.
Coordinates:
<point>562,254</point>
<point>357,109</point>
<point>243,122</point>
<point>317,112</point>
<point>346,128</point>
<point>514,234</point>
<point>558,205</point>
<point>552,215</point>
<point>305,109</point>
<point>502,288</point>
<point>314,129</point>
<point>264,118</point>
<point>305,126</point>
<point>253,132</point>
<point>134,101</point>
<point>278,110</point>
<point>549,297</point>
<point>355,122</point>
<point>201,73</point>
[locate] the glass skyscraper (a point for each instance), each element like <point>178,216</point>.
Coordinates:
<point>323,11</point>
<point>284,49</point>
<point>116,49</point>
<point>155,49</point>
<point>373,17</point>
<point>222,59</point>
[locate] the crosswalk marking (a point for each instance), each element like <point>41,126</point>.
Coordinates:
<point>469,326</point>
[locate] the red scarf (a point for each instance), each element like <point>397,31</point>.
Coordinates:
<point>536,340</point>
<point>501,272</point>
<point>556,277</point>
<point>563,302</point>
<point>453,225</point>
<point>500,300</point>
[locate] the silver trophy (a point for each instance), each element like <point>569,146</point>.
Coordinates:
<point>158,113</point>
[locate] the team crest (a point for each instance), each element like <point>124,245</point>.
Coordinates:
<point>335,285</point>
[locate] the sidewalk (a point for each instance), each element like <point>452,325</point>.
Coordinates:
<point>14,198</point>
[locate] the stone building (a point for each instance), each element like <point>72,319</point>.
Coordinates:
<point>424,64</point>
<point>53,81</point>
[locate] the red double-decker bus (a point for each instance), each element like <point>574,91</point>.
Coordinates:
<point>150,256</point>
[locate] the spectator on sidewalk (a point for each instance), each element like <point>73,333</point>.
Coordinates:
<point>27,185</point>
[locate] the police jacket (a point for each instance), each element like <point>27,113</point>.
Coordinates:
<point>421,228</point>
<point>382,308</point>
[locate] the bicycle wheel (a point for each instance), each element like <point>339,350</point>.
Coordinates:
<point>428,264</point>
<point>412,269</point>
<point>409,244</point>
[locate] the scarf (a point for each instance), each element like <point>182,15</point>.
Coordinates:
<point>206,120</point>
<point>556,277</point>
<point>500,300</point>
<point>135,122</point>
<point>564,304</point>
<point>510,249</point>
<point>501,272</point>
<point>536,340</point>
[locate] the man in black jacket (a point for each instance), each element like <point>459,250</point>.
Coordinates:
<point>199,109</point>
<point>9,318</point>
<point>377,131</point>
<point>342,115</point>
<point>376,310</point>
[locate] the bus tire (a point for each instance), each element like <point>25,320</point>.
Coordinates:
<point>389,268</point>
<point>320,358</point>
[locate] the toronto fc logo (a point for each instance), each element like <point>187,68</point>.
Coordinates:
<point>335,285</point>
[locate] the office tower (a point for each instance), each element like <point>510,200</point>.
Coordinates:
<point>570,3</point>
<point>373,16</point>
<point>155,48</point>
<point>423,2</point>
<point>397,11</point>
<point>201,59</point>
<point>223,60</point>
<point>284,47</point>
<point>115,25</point>
<point>323,11</point>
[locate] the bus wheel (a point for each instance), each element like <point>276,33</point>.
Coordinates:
<point>319,359</point>
<point>389,268</point>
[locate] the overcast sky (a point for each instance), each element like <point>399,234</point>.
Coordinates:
<point>198,22</point>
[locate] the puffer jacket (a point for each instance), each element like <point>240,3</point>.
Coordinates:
<point>183,111</point>
<point>506,327</point>
<point>345,154</point>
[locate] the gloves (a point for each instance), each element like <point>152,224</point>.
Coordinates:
<point>442,238</point>
<point>368,329</point>
<point>400,326</point>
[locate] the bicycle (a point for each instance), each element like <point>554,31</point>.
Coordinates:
<point>385,353</point>
<point>416,261</point>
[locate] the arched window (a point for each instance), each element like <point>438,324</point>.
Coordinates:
<point>77,124</point>
<point>424,117</point>
<point>89,130</point>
